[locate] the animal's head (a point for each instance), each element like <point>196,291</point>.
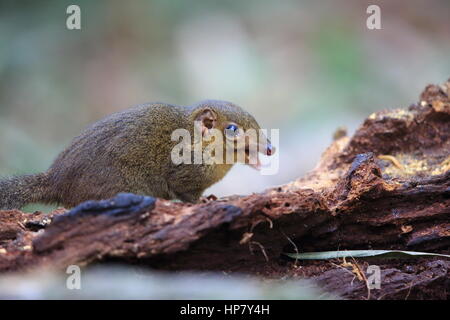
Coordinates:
<point>241,134</point>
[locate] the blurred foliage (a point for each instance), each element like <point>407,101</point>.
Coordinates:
<point>120,282</point>
<point>305,67</point>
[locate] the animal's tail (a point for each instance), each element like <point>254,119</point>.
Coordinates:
<point>16,192</point>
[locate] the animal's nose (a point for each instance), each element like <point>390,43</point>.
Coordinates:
<point>270,150</point>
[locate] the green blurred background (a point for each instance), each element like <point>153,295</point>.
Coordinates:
<point>305,67</point>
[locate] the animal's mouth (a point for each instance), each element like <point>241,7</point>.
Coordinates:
<point>252,156</point>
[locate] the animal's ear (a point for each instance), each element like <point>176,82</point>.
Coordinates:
<point>206,119</point>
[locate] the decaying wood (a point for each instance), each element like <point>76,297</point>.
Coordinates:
<point>387,187</point>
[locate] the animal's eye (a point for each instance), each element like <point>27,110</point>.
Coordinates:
<point>231,130</point>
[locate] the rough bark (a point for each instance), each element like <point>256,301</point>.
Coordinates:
<point>387,187</point>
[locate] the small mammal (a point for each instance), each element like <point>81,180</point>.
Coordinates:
<point>130,151</point>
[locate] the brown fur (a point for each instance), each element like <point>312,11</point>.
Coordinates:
<point>128,151</point>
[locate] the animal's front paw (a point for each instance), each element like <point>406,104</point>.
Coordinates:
<point>207,199</point>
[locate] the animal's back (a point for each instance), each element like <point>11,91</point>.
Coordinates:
<point>122,152</point>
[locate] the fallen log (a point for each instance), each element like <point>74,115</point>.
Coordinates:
<point>387,187</point>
